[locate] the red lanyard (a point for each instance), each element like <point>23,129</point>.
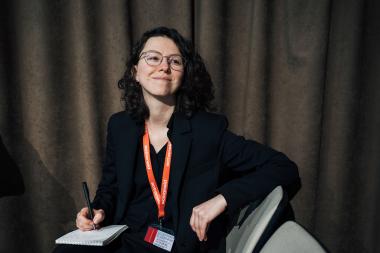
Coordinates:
<point>160,198</point>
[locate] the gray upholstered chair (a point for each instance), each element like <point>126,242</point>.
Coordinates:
<point>252,226</point>
<point>292,238</point>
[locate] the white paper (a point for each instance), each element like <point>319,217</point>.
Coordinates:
<point>98,237</point>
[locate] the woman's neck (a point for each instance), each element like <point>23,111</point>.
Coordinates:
<point>159,112</point>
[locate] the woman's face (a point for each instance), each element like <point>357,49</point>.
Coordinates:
<point>159,80</point>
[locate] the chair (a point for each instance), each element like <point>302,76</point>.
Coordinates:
<point>253,228</point>
<point>292,238</point>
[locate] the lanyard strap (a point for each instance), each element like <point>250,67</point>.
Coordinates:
<point>159,197</point>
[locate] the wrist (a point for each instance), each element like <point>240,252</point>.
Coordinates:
<point>222,201</point>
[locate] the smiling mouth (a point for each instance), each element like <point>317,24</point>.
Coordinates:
<point>162,78</point>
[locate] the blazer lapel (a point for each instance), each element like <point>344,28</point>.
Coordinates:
<point>181,139</point>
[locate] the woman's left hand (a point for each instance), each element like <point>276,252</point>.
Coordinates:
<point>206,212</point>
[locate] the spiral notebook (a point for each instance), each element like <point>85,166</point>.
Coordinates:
<point>99,237</point>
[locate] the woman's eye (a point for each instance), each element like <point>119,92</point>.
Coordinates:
<point>153,58</point>
<point>176,61</point>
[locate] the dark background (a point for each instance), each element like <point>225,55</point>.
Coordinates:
<point>300,75</point>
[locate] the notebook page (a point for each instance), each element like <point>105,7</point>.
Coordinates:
<point>98,237</point>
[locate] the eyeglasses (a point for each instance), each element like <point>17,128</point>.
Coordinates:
<point>154,58</point>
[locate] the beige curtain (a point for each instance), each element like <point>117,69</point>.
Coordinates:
<point>300,75</point>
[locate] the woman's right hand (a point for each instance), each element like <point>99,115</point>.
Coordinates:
<point>85,224</point>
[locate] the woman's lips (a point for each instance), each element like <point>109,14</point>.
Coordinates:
<point>162,78</point>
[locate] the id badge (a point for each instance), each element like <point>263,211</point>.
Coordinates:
<point>160,237</point>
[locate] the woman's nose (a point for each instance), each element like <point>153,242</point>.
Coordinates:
<point>165,65</point>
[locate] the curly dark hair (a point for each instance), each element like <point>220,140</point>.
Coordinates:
<point>195,92</point>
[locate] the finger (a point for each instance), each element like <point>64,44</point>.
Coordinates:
<point>86,228</point>
<point>193,220</point>
<point>202,227</point>
<point>192,225</point>
<point>84,225</point>
<point>205,237</point>
<point>82,222</point>
<point>84,211</point>
<point>82,215</point>
<point>202,230</point>
<point>201,223</point>
<point>197,225</point>
<point>99,216</point>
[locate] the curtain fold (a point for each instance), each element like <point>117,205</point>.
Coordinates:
<point>300,76</point>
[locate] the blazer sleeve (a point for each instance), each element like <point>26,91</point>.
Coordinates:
<point>253,170</point>
<point>106,193</point>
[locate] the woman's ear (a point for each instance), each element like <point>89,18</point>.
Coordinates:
<point>134,73</point>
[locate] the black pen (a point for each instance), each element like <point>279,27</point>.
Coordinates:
<point>87,197</point>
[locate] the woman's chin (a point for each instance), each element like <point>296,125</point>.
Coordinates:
<point>165,96</point>
<point>162,96</point>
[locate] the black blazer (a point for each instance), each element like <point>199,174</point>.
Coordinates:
<point>207,160</point>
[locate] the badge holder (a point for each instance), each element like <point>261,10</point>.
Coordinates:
<point>160,236</point>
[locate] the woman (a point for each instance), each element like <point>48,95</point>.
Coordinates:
<point>166,138</point>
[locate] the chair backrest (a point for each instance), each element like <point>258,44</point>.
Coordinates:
<point>244,237</point>
<point>292,238</point>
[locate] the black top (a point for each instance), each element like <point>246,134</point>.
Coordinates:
<point>142,210</point>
